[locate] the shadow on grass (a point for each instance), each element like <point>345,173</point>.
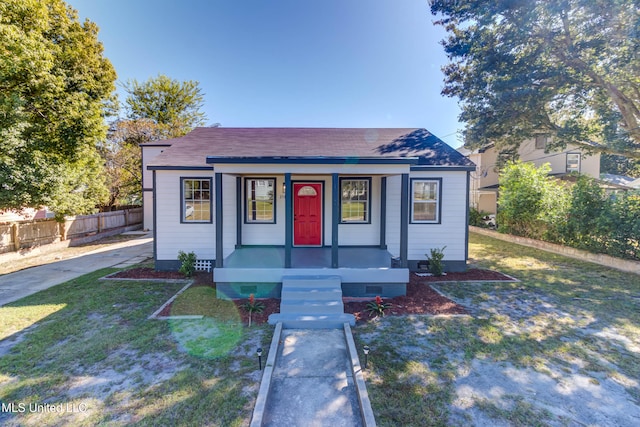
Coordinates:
<point>560,347</point>
<point>98,349</point>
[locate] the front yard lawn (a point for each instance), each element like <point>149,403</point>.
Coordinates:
<point>84,353</point>
<point>560,348</point>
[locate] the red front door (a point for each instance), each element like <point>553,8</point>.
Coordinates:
<point>307,214</point>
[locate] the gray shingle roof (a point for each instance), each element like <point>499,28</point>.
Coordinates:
<point>194,148</point>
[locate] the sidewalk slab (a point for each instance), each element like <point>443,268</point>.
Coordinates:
<point>312,383</point>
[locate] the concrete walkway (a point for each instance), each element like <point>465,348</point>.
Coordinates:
<point>312,383</point>
<point>14,286</point>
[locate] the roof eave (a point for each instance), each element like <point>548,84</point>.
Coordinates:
<point>443,168</point>
<point>313,160</point>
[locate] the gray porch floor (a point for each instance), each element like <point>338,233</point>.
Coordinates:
<point>273,257</point>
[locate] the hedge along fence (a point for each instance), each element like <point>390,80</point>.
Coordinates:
<point>17,236</point>
<point>574,212</point>
<point>601,259</point>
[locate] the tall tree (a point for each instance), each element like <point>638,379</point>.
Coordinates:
<point>122,159</point>
<point>54,84</point>
<point>158,108</point>
<point>172,104</point>
<point>566,67</point>
<point>620,165</point>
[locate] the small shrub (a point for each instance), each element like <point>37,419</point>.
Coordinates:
<point>377,307</point>
<point>436,266</point>
<point>253,306</point>
<point>477,218</point>
<point>188,260</point>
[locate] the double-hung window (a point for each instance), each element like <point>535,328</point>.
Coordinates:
<point>573,162</point>
<point>426,195</point>
<point>260,200</point>
<point>196,200</point>
<point>355,203</point>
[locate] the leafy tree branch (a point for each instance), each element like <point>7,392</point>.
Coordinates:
<point>568,67</point>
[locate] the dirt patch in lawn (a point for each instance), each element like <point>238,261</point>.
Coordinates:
<point>421,298</point>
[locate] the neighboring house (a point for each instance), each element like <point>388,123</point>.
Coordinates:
<point>25,214</point>
<point>263,204</point>
<point>484,180</point>
<point>619,183</point>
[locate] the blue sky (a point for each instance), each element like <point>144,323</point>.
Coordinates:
<point>315,63</point>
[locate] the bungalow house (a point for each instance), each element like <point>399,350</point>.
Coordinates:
<point>263,206</point>
<point>484,180</point>
<point>614,184</point>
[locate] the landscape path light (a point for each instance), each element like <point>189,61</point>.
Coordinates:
<point>366,350</point>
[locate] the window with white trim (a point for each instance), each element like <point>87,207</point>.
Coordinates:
<point>425,200</point>
<point>573,162</point>
<point>260,200</point>
<point>355,200</point>
<point>196,200</point>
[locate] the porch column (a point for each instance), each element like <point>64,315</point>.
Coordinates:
<point>288,220</point>
<point>218,189</point>
<point>383,212</point>
<point>404,221</point>
<point>239,213</point>
<point>335,218</point>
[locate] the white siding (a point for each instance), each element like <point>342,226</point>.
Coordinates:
<point>147,203</point>
<point>173,236</point>
<point>349,234</point>
<point>364,234</point>
<point>451,231</point>
<point>148,154</point>
<point>229,214</point>
<point>265,234</point>
<point>274,234</point>
<point>393,214</point>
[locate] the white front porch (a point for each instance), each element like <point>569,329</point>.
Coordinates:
<point>258,257</point>
<point>261,270</point>
<point>274,257</point>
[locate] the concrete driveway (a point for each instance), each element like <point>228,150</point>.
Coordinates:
<point>14,286</point>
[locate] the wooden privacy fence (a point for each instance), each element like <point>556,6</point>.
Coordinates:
<point>15,236</point>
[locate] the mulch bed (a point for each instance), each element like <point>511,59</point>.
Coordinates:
<point>420,297</point>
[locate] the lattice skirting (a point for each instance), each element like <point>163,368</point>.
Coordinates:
<point>203,265</point>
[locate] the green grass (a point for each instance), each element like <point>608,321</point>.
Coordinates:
<point>202,300</point>
<point>566,317</point>
<point>89,342</point>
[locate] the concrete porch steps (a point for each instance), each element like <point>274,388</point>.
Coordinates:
<point>311,302</point>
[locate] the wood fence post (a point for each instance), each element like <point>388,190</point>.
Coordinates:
<point>62,230</point>
<point>16,236</point>
<point>126,217</point>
